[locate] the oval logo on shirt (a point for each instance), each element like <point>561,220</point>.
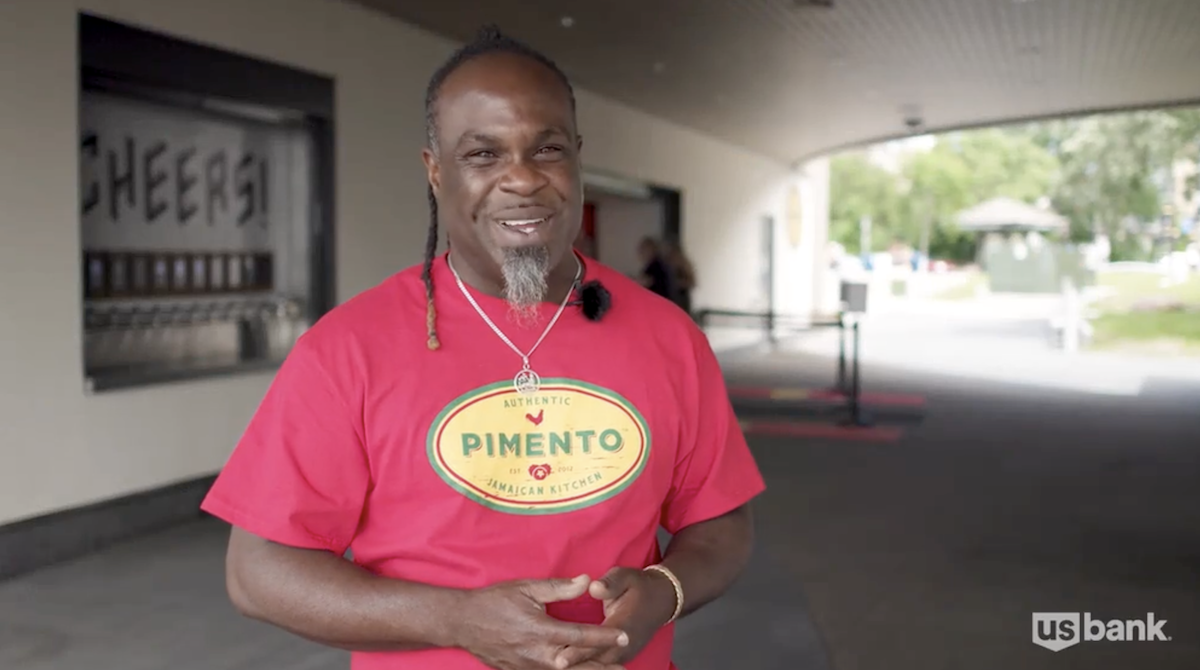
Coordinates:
<point>568,446</point>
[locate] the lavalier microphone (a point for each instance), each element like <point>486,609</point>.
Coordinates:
<point>594,300</point>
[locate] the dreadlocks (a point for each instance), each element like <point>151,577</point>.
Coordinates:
<point>488,41</point>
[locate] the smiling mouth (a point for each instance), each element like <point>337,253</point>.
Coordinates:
<point>525,226</point>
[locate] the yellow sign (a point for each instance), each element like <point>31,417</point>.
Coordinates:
<point>789,394</point>
<point>569,446</point>
<point>794,216</point>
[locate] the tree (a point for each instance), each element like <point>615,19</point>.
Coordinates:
<point>858,189</point>
<point>965,169</point>
<point>1104,173</point>
<point>937,184</point>
<point>1116,168</point>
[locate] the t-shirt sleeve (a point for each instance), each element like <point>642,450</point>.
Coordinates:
<point>715,472</point>
<point>299,475</point>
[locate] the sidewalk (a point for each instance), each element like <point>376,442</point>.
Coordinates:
<point>999,338</point>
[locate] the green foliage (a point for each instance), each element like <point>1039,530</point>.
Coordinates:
<point>1141,310</point>
<point>1114,169</point>
<point>860,189</point>
<point>919,203</point>
<point>1104,173</point>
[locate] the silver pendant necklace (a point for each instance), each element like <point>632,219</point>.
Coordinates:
<point>526,382</point>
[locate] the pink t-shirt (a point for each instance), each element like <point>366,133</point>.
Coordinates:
<point>431,467</point>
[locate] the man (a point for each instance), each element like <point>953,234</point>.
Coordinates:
<point>656,273</point>
<point>684,274</point>
<point>499,461</point>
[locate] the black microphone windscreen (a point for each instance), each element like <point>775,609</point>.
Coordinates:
<point>595,300</point>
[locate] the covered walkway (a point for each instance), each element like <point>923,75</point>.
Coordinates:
<point>926,543</point>
<point>928,551</point>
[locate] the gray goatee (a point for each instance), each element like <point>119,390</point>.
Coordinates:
<point>525,286</point>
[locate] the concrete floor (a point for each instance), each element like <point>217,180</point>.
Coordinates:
<point>934,551</point>
<point>159,602</point>
<point>929,552</point>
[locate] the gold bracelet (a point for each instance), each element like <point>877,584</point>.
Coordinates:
<point>666,572</point>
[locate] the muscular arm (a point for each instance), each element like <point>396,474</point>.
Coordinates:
<point>707,557</point>
<point>327,599</point>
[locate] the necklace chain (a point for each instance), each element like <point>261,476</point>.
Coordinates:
<point>526,380</point>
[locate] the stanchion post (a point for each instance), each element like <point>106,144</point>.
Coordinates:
<point>841,371</point>
<point>858,415</point>
<point>854,392</point>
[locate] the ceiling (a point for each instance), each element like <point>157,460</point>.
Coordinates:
<point>792,79</point>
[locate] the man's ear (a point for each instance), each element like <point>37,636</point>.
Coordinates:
<point>433,170</point>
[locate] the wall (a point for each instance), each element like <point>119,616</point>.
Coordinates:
<point>813,286</point>
<point>804,286</point>
<point>63,448</point>
<point>725,192</point>
<point>621,223</point>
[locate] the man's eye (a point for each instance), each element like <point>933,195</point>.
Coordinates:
<point>481,154</point>
<point>550,150</point>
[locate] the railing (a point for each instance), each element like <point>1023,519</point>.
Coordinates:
<point>849,381</point>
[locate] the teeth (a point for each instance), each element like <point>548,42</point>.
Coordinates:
<point>522,222</point>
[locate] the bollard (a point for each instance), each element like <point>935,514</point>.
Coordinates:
<point>1072,317</point>
<point>841,371</point>
<point>858,415</point>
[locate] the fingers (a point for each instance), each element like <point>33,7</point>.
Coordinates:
<point>612,585</point>
<point>584,655</point>
<point>583,658</point>
<point>596,665</point>
<point>573,657</point>
<point>556,590</point>
<point>586,635</point>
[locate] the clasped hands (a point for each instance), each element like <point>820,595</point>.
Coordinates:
<point>506,626</point>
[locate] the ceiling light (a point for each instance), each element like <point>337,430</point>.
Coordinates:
<point>568,21</point>
<point>659,67</point>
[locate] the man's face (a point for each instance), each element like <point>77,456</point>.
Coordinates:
<point>506,172</point>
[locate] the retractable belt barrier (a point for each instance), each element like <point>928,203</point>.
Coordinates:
<point>848,384</point>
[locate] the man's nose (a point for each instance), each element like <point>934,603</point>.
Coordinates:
<point>523,178</point>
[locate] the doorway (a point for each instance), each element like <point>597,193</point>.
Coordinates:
<point>619,213</point>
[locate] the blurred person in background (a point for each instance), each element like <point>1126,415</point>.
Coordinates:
<point>656,271</point>
<point>684,274</point>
